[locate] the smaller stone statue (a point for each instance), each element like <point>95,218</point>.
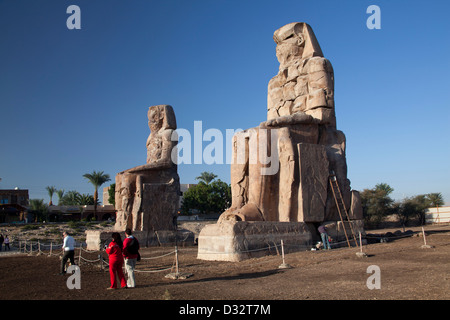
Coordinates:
<point>134,209</point>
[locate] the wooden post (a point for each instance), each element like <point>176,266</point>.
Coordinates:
<point>425,245</point>
<point>283,265</point>
<point>424,237</point>
<point>176,257</point>
<point>79,257</point>
<point>361,254</point>
<point>360,241</point>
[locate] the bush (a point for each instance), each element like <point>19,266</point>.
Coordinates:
<point>207,198</point>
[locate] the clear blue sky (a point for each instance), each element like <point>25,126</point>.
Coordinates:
<point>74,101</point>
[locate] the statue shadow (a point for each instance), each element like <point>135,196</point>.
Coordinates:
<point>240,276</point>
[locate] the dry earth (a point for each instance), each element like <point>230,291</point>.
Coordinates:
<point>407,272</point>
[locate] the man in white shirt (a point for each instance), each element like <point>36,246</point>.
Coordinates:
<point>68,251</point>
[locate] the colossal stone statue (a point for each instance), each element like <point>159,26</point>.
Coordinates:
<point>147,196</point>
<point>301,131</point>
<point>280,170</point>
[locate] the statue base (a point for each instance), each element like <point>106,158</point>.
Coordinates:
<point>240,240</point>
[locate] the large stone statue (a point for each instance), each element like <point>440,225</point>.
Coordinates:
<point>281,169</point>
<point>147,196</point>
<point>301,130</point>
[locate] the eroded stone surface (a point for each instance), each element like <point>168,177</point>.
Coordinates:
<point>147,196</point>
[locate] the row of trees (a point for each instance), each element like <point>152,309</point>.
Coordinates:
<point>208,196</point>
<point>72,198</point>
<point>214,196</point>
<point>377,204</point>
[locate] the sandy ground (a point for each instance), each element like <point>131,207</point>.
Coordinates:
<point>406,271</point>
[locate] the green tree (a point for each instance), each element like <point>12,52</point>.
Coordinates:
<point>421,203</point>
<point>376,204</point>
<point>60,194</point>
<point>412,207</point>
<point>74,198</point>
<point>96,179</point>
<point>435,199</point>
<point>86,200</point>
<point>71,198</point>
<point>206,177</point>
<point>207,196</point>
<point>51,190</point>
<point>39,209</point>
<point>384,187</point>
<point>219,196</point>
<point>112,194</point>
<point>195,198</point>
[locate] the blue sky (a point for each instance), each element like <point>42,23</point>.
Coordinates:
<point>74,101</point>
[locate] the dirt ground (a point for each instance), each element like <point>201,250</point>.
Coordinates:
<point>407,271</point>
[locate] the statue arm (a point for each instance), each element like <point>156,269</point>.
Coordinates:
<point>158,165</point>
<point>296,118</point>
<point>165,162</point>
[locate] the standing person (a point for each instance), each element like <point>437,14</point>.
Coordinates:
<point>325,237</point>
<point>1,241</point>
<point>114,251</point>
<point>7,243</point>
<point>131,254</point>
<point>68,251</point>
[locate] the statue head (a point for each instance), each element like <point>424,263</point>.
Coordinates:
<point>161,117</point>
<point>296,41</point>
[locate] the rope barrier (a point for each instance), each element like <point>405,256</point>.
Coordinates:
<point>164,255</point>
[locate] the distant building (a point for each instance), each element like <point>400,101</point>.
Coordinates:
<point>437,215</point>
<point>106,196</point>
<point>13,205</point>
<point>69,213</point>
<point>14,196</point>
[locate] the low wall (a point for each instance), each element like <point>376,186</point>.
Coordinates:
<point>437,215</point>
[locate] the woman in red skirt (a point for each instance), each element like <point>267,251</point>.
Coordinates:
<point>114,250</point>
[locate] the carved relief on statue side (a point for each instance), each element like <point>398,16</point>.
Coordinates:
<point>287,170</point>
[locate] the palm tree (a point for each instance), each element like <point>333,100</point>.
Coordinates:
<point>51,190</point>
<point>39,208</point>
<point>60,194</point>
<point>206,177</point>
<point>435,199</point>
<point>70,198</point>
<point>97,179</point>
